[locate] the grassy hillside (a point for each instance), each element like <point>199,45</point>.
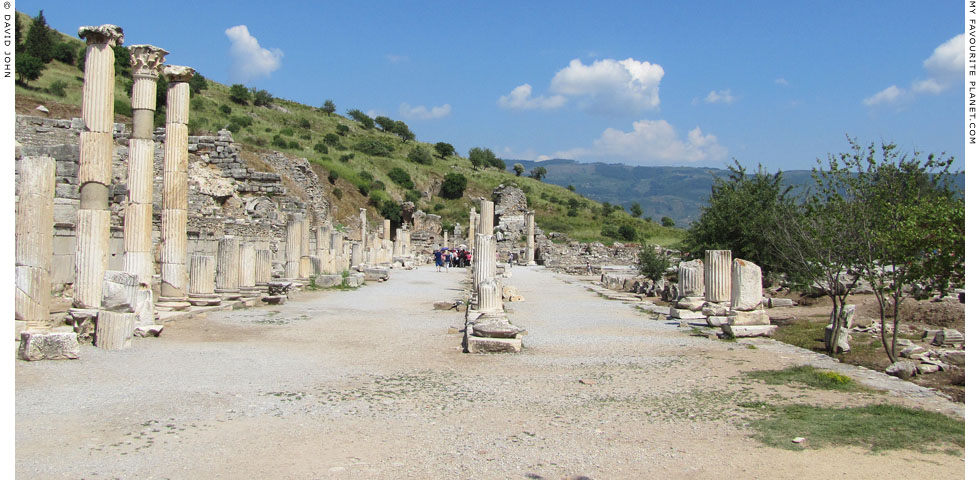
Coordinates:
<point>354,166</point>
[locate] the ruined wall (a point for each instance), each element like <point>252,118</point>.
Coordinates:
<point>230,192</point>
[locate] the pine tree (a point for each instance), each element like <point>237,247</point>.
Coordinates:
<point>40,39</point>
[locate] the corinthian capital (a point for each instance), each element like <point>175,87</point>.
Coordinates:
<point>177,73</point>
<point>146,59</point>
<point>111,35</point>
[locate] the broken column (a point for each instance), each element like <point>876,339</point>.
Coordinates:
<point>717,276</point>
<point>228,260</point>
<point>246,269</point>
<point>487,328</point>
<point>472,231</point>
<point>95,164</point>
<point>745,317</point>
<point>34,232</point>
<point>173,218</point>
<point>337,252</point>
<point>200,291</point>
<point>486,217</point>
<point>263,268</point>
<point>529,224</point>
<point>322,238</point>
<point>123,302</point>
<point>305,265</point>
<point>356,255</point>
<point>294,237</point>
<point>363,221</point>
<point>690,291</point>
<point>146,61</point>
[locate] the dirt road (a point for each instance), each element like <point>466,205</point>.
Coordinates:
<point>371,384</point>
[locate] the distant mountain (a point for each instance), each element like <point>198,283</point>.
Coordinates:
<point>676,192</point>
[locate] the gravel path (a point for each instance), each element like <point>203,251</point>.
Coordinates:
<point>372,384</point>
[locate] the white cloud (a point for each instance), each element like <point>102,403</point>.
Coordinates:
<point>724,96</point>
<point>396,58</point>
<point>891,94</point>
<point>520,99</point>
<point>944,67</point>
<point>611,86</point>
<point>781,81</point>
<point>422,113</point>
<point>652,142</point>
<point>248,59</point>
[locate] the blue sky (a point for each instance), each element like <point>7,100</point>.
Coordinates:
<point>644,83</point>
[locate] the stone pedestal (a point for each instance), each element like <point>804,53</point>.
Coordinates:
<point>202,280</point>
<point>717,275</point>
<point>95,163</point>
<point>33,242</point>
<point>228,262</point>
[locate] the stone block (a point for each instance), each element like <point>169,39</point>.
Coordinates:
<point>373,274</point>
<point>755,317</point>
<point>493,345</point>
<point>781,302</point>
<point>48,346</point>
<point>685,314</point>
<point>328,281</point>
<point>714,309</point>
<point>356,279</point>
<point>955,357</point>
<point>948,336</point>
<point>842,338</point>
<point>739,331</point>
<point>691,303</point>
<point>903,369</point>
<point>717,320</point>
<point>746,288</point>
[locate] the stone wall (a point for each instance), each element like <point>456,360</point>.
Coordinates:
<point>227,194</point>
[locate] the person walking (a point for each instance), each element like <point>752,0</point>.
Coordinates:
<point>438,254</point>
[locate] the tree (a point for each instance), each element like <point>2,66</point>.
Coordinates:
<point>476,157</point>
<point>627,232</point>
<point>420,155</point>
<point>538,173</point>
<point>666,221</point>
<point>607,209</point>
<point>636,210</point>
<point>40,39</point>
<point>518,169</point>
<point>261,98</point>
<point>444,149</point>
<point>401,178</point>
<point>360,117</point>
<point>29,68</point>
<point>400,128</point>
<point>653,262</point>
<point>197,83</point>
<point>736,214</point>
<point>910,224</point>
<point>328,107</point>
<point>64,52</point>
<point>571,188</point>
<point>384,123</point>
<point>453,186</point>
<point>123,67</point>
<point>18,35</point>
<point>239,94</point>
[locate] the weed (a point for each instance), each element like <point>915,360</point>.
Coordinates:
<point>807,375</point>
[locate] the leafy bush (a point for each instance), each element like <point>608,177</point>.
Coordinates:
<point>376,198</point>
<point>278,141</point>
<point>331,139</point>
<point>332,177</point>
<point>305,123</point>
<point>401,178</point>
<point>294,145</point>
<point>64,52</point>
<point>360,117</point>
<point>198,83</point>
<point>342,130</point>
<point>453,186</point>
<point>420,155</point>
<point>610,231</point>
<point>286,132</point>
<point>239,94</point>
<point>627,232</point>
<point>392,211</point>
<point>653,263</point>
<point>337,192</point>
<point>328,107</point>
<point>373,146</point>
<point>444,149</point>
<point>413,196</point>
<point>378,185</point>
<point>321,148</point>
<point>57,88</point>
<point>365,175</point>
<point>225,109</point>
<point>241,120</point>
<point>28,68</point>
<point>667,221</point>
<point>261,98</point>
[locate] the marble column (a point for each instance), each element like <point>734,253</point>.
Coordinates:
<point>472,231</point>
<point>146,61</point>
<point>305,265</point>
<point>228,264</point>
<point>246,268</point>
<point>717,276</point>
<point>690,279</point>
<point>336,253</point>
<point>294,237</point>
<point>34,237</point>
<point>200,289</point>
<point>263,268</point>
<point>323,249</point>
<point>746,285</point>
<point>486,217</point>
<point>386,230</point>
<point>484,260</point>
<point>95,164</point>
<point>356,255</point>
<point>363,219</point>
<point>445,239</point>
<point>531,228</point>
<point>173,218</point>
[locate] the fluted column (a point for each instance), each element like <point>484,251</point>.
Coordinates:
<point>95,164</point>
<point>486,217</point>
<point>173,223</point>
<point>305,265</point>
<point>717,275</point>
<point>337,253</point>
<point>484,260</point>
<point>294,237</point>
<point>146,61</point>
<point>200,289</point>
<point>246,268</point>
<point>472,230</point>
<point>228,264</point>
<point>34,241</point>
<point>263,267</point>
<point>363,219</point>
<point>529,224</point>
<point>356,254</point>
<point>690,279</point>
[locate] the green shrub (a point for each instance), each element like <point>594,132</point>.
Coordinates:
<point>239,94</point>
<point>278,142</point>
<point>653,264</point>
<point>321,148</point>
<point>198,83</point>
<point>376,198</point>
<point>392,211</point>
<point>65,53</point>
<point>609,231</point>
<point>378,185</point>
<point>337,192</point>
<point>332,177</point>
<point>373,146</point>
<point>305,136</point>
<point>453,186</point>
<point>286,132</point>
<point>294,145</point>
<point>627,232</point>
<point>57,87</point>
<point>420,155</point>
<point>401,178</point>
<point>364,174</point>
<point>261,98</point>
<point>305,124</point>
<point>346,158</point>
<point>331,139</point>
<point>241,120</point>
<point>342,130</point>
<point>413,196</point>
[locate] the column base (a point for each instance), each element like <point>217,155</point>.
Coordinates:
<point>204,300</point>
<point>172,304</point>
<point>228,295</point>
